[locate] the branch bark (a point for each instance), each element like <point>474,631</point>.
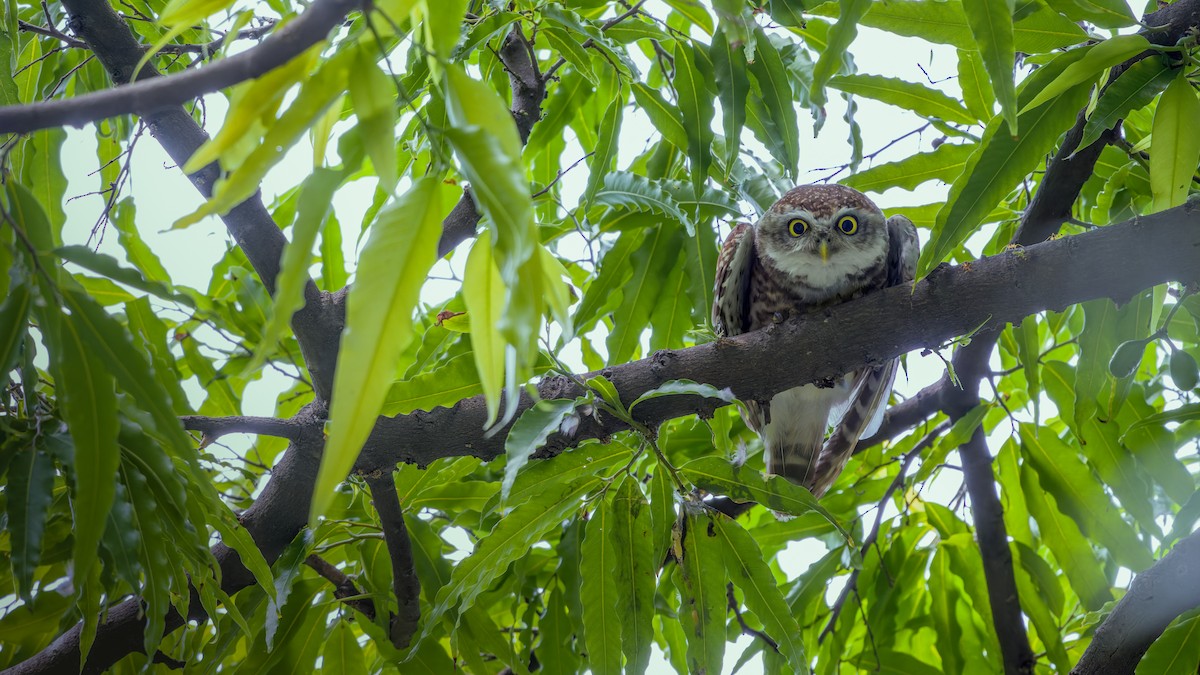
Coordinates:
<point>950,302</point>
<point>405,583</point>
<point>988,516</point>
<point>1159,594</point>
<point>151,94</point>
<point>213,428</point>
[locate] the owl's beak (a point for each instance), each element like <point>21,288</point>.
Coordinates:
<point>824,249</point>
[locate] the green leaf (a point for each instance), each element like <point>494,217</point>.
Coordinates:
<point>29,491</point>
<point>602,160</point>
<point>391,270</point>
<point>13,317</point>
<point>1176,651</point>
<point>1098,58</point>
<point>1102,13</point>
<point>746,568</point>
<point>1000,162</point>
<point>483,294</point>
<point>733,86</point>
<point>686,388</point>
<point>605,290</point>
<point>665,117</point>
<point>89,406</point>
<point>691,73</point>
<point>1071,549</point>
<point>443,25</point>
<point>485,138</point>
<point>108,266</point>
<point>945,22</point>
<point>702,587</point>
<point>441,387</point>
<point>840,36</point>
<point>1133,90</point>
<point>510,540</point>
<point>250,102</point>
<point>316,94</point>
<point>600,594</point>
<point>110,342</point>
<point>1079,495</point>
<point>372,93</point>
<point>718,476</point>
<point>636,569</point>
<point>316,194</point>
<point>945,164</point>
<point>529,433</point>
<point>342,654</point>
<point>570,49</point>
<point>651,263</point>
<point>991,24</point>
<point>918,98</point>
<point>629,190</point>
<point>1184,413</point>
<point>1175,149</point>
<point>778,100</point>
<point>976,89</point>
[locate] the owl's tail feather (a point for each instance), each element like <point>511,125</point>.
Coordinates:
<point>796,462</point>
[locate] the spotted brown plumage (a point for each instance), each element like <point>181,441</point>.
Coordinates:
<point>818,246</point>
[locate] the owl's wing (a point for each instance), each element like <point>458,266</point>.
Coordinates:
<point>731,293</point>
<point>873,386</point>
<point>903,250</point>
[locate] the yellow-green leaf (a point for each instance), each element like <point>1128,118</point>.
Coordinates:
<point>393,266</point>
<point>1175,149</point>
<point>483,293</point>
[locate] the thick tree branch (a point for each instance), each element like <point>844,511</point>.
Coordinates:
<point>988,517</point>
<point>1159,594</point>
<point>405,584</point>
<point>213,428</point>
<point>1115,261</point>
<point>157,93</point>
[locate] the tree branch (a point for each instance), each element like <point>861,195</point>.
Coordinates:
<point>155,93</point>
<point>405,583</point>
<point>950,302</point>
<point>988,517</point>
<point>318,324</point>
<point>213,428</point>
<point>344,588</point>
<point>1159,594</point>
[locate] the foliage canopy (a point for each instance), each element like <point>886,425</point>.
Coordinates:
<point>494,521</point>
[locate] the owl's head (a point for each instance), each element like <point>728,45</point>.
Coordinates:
<point>823,230</point>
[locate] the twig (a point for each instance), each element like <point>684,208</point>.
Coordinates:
<point>343,586</point>
<point>852,583</point>
<point>591,42</point>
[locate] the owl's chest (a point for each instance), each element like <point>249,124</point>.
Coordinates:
<point>774,291</point>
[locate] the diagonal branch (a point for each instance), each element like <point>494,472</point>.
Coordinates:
<point>155,93</point>
<point>317,324</point>
<point>1159,594</point>
<point>988,516</point>
<point>405,583</point>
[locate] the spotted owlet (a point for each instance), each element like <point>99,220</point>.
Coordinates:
<point>818,246</point>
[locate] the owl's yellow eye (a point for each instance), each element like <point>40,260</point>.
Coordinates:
<point>797,226</point>
<point>848,224</point>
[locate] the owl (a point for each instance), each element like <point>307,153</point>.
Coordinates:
<point>818,246</point>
